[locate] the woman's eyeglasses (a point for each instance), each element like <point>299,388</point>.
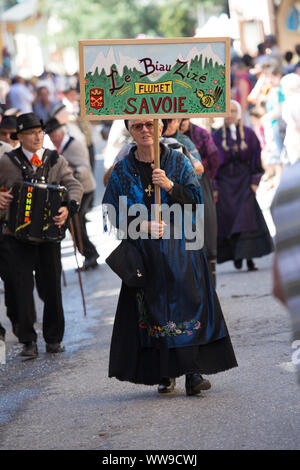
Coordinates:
<point>139,126</point>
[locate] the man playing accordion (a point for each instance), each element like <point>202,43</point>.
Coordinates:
<point>31,162</point>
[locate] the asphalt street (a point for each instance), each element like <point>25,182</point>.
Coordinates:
<point>67,401</point>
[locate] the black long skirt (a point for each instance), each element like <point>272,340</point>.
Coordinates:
<point>247,245</point>
<point>210,218</point>
<point>132,363</point>
<point>242,230</point>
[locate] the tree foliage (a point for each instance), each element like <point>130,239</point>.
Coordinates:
<point>8,4</point>
<point>121,19</point>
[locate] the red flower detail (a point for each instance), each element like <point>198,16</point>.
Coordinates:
<point>215,82</point>
<point>210,90</point>
<point>218,107</point>
<point>223,72</point>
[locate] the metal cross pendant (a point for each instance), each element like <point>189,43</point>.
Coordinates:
<point>149,190</point>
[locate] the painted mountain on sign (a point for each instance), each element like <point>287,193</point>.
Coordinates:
<point>115,57</point>
<point>207,54</point>
<point>105,62</point>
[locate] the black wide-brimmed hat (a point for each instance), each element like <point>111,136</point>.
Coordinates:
<point>165,123</point>
<point>26,121</point>
<point>8,122</point>
<point>52,125</point>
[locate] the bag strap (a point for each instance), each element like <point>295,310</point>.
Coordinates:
<point>16,157</point>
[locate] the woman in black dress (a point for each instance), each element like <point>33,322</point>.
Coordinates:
<point>173,326</point>
<point>242,230</point>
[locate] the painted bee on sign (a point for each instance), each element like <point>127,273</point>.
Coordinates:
<point>208,100</point>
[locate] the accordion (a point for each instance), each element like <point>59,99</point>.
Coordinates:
<point>32,210</point>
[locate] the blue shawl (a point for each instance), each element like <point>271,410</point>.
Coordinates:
<point>176,308</point>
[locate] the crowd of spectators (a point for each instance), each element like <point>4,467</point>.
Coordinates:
<point>263,85</point>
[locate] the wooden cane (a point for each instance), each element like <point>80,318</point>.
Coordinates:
<point>157,193</point>
<point>78,268</point>
<point>64,278</point>
<point>78,233</point>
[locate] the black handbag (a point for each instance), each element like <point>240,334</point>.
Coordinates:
<point>126,261</point>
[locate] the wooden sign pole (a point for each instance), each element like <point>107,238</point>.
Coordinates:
<point>157,194</point>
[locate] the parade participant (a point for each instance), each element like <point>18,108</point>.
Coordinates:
<point>4,147</point>
<point>6,273</point>
<point>174,325</point>
<point>71,101</point>
<point>291,114</point>
<point>7,127</point>
<point>118,137</point>
<point>61,113</point>
<point>26,255</point>
<point>77,128</point>
<point>43,106</point>
<point>169,141</point>
<point>297,65</point>
<point>210,159</point>
<point>172,131</point>
<point>285,210</point>
<point>172,142</point>
<point>77,156</point>
<point>242,85</point>
<point>289,66</point>
<point>242,231</point>
<point>273,124</point>
<point>20,96</point>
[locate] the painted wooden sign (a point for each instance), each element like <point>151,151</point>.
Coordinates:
<point>157,78</point>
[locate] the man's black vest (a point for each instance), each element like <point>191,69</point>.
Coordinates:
<point>49,159</point>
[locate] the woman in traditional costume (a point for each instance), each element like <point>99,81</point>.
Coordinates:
<point>174,325</point>
<point>208,151</point>
<point>242,230</point>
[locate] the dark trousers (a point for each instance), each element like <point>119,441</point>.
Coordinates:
<point>45,259</point>
<point>7,276</point>
<point>89,249</point>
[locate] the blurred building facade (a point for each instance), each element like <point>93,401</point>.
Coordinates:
<point>256,19</point>
<point>24,31</point>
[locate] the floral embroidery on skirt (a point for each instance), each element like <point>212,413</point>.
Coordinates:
<point>170,329</point>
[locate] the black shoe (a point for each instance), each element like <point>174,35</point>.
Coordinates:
<point>238,263</point>
<point>167,385</point>
<point>54,348</point>
<point>2,333</point>
<point>194,383</point>
<point>29,349</point>
<point>90,263</point>
<point>251,265</point>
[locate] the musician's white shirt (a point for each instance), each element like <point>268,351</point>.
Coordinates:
<point>29,155</point>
